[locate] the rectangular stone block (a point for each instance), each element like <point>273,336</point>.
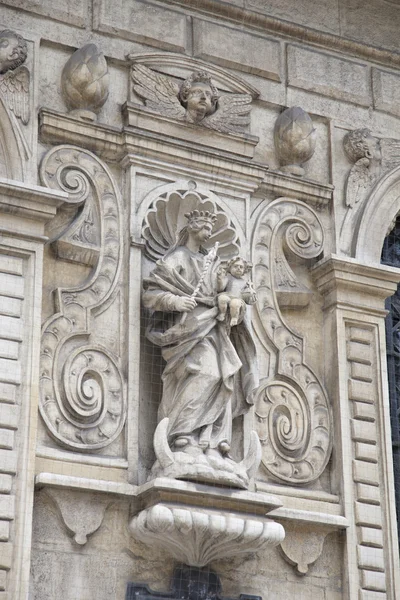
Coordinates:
<point>11,328</point>
<point>9,349</point>
<point>5,483</point>
<point>7,507</point>
<point>365,472</point>
<point>9,416</point>
<point>74,12</point>
<point>369,515</point>
<point>369,536</point>
<point>363,431</point>
<point>360,334</point>
<point>237,50</point>
<point>374,23</point>
<point>363,411</point>
<point>141,22</point>
<point>360,371</point>
<point>6,439</point>
<point>3,579</point>
<point>11,264</point>
<point>8,393</point>
<point>11,285</point>
<point>359,352</point>
<point>8,461</point>
<point>362,391</point>
<point>10,371</point>
<point>369,494</point>
<point>373,580</point>
<point>4,531</point>
<point>10,306</point>
<point>6,552</point>
<point>386,91</point>
<point>322,15</point>
<point>328,75</point>
<point>367,452</point>
<point>370,558</point>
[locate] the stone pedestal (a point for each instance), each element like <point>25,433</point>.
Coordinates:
<point>197,524</point>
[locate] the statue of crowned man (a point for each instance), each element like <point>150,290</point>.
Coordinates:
<point>211,369</point>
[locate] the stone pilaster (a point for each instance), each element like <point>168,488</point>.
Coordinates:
<point>356,377</point>
<point>24,211</point>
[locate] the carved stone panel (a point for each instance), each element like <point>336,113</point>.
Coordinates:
<point>292,408</point>
<point>82,391</point>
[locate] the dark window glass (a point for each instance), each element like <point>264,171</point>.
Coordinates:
<point>391,257</point>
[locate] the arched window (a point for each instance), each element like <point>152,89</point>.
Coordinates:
<point>391,257</point>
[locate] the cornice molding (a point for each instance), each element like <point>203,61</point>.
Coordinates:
<point>300,33</point>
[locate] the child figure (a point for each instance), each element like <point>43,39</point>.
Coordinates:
<point>236,291</point>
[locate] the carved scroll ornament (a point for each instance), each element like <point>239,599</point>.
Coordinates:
<point>292,409</point>
<point>82,395</point>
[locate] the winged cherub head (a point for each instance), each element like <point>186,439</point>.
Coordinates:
<point>199,96</point>
<point>13,50</point>
<point>360,144</point>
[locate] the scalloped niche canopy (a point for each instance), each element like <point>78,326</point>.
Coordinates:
<point>181,67</point>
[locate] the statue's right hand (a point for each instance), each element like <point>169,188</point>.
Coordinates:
<point>185,304</point>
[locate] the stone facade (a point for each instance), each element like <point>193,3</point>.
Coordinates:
<point>194,196</point>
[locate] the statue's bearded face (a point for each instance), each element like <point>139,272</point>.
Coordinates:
<point>200,100</point>
<point>8,46</point>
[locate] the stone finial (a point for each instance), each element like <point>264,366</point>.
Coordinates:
<point>85,82</point>
<point>294,137</point>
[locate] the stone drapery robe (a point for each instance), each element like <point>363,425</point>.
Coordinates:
<point>210,376</point>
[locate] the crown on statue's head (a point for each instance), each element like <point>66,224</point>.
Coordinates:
<point>204,216</point>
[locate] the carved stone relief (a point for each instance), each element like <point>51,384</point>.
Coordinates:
<point>82,391</point>
<point>295,138</point>
<point>372,158</point>
<point>292,408</point>
<point>85,82</point>
<point>196,100</point>
<point>205,348</point>
<point>14,76</point>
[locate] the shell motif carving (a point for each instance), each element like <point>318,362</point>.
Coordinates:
<point>166,218</point>
<point>292,408</point>
<point>82,392</point>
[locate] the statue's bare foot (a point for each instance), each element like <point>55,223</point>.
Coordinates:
<point>233,322</point>
<point>221,317</point>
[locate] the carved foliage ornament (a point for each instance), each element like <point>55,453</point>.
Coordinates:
<point>82,395</point>
<point>197,100</point>
<point>292,409</point>
<point>14,76</point>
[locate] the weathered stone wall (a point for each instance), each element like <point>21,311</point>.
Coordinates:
<point>340,63</point>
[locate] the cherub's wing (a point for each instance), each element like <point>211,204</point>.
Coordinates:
<point>358,182</point>
<point>14,87</point>
<point>232,114</point>
<point>159,92</point>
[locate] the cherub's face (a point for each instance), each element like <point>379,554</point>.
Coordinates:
<point>374,148</point>
<point>238,269</point>
<point>199,99</point>
<point>8,46</point>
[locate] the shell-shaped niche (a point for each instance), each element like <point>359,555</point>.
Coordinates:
<point>166,218</point>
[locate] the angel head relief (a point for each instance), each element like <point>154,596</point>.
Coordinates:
<point>14,76</point>
<point>199,96</point>
<point>196,100</point>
